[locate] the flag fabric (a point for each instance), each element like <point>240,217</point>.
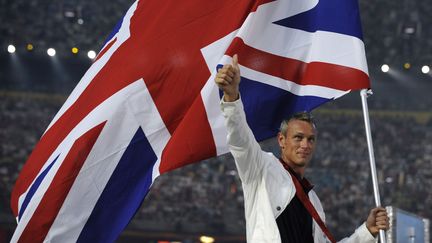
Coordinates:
<point>148,103</point>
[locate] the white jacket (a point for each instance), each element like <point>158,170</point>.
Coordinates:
<point>267,186</point>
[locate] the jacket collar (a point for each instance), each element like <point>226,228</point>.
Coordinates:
<point>307,186</point>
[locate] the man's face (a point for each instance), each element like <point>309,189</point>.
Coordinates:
<point>298,144</point>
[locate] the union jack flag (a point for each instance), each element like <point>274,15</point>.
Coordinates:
<point>148,104</point>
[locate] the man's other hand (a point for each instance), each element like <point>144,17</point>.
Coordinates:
<point>377,220</point>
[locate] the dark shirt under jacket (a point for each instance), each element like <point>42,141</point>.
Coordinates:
<point>295,222</point>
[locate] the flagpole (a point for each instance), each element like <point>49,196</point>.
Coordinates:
<point>364,93</point>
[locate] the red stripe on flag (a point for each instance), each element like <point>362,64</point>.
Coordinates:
<point>47,210</point>
<point>302,73</point>
<point>105,49</point>
<point>259,3</point>
<point>192,141</point>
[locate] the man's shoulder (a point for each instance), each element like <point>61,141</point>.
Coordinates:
<point>271,158</point>
<point>274,168</point>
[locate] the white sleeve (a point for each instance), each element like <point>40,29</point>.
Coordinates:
<point>361,235</point>
<point>241,141</point>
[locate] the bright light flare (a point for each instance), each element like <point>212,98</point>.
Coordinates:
<point>51,52</point>
<point>91,54</point>
<point>30,47</point>
<point>425,69</point>
<point>11,48</point>
<point>385,68</point>
<point>207,239</point>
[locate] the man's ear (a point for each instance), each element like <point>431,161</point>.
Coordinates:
<point>281,139</point>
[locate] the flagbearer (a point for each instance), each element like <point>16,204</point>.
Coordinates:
<point>280,204</point>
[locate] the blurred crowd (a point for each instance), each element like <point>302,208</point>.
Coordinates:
<point>71,23</point>
<point>207,196</point>
<point>396,32</point>
<point>341,165</point>
<point>23,118</point>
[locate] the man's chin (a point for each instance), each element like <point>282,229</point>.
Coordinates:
<point>302,163</point>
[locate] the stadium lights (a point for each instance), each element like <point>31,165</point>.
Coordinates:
<point>51,52</point>
<point>11,48</point>
<point>69,14</point>
<point>425,69</point>
<point>30,47</point>
<point>207,239</point>
<point>385,68</point>
<point>409,30</point>
<point>74,50</point>
<point>407,65</point>
<point>91,54</point>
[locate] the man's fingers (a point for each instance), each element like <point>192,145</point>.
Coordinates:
<point>221,81</point>
<point>226,66</point>
<point>228,78</point>
<point>377,220</point>
<point>225,77</point>
<point>381,215</point>
<point>381,222</point>
<point>227,69</point>
<point>383,225</point>
<point>235,61</point>
<point>377,210</point>
<point>381,218</point>
<point>230,72</point>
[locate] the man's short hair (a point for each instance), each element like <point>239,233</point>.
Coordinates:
<point>300,116</point>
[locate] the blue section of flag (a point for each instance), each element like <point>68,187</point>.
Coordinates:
<point>114,31</point>
<point>266,106</point>
<point>339,16</point>
<point>123,194</point>
<point>34,188</point>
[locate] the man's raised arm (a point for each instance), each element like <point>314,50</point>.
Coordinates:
<point>242,143</point>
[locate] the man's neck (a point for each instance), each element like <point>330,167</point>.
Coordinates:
<point>299,170</point>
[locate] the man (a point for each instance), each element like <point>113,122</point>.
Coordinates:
<point>274,208</point>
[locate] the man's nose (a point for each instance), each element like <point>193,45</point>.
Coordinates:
<point>304,143</point>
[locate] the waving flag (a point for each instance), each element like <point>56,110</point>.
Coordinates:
<point>148,104</point>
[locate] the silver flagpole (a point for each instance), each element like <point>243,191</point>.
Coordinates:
<point>364,93</point>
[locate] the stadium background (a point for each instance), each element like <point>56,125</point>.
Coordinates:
<point>206,198</point>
